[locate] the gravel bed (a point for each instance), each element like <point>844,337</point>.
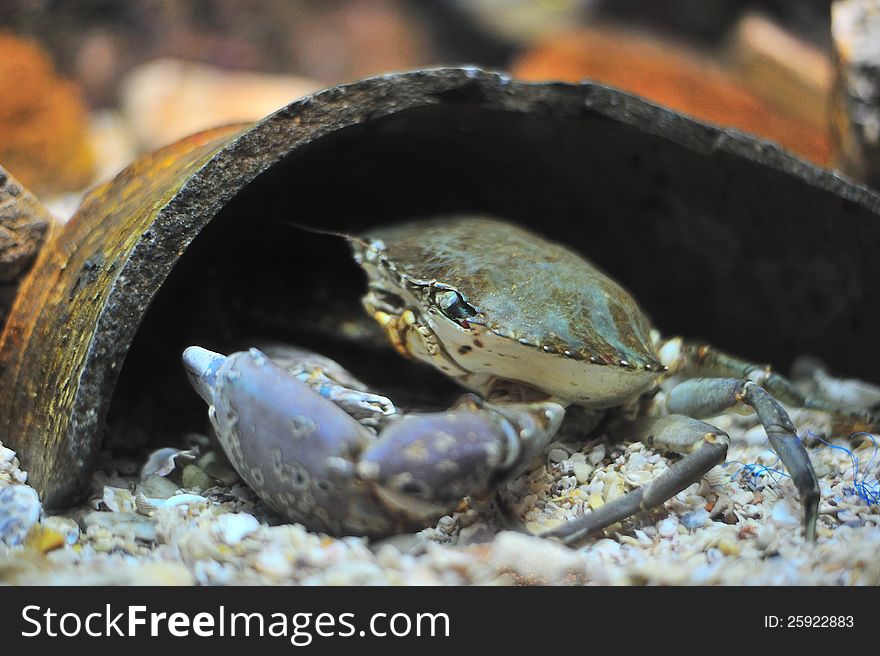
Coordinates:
<point>183,518</point>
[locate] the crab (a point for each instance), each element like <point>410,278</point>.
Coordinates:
<point>531,329</point>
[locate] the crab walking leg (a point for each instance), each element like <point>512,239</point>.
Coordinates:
<point>703,446</point>
<point>708,397</point>
<point>316,465</point>
<point>703,361</point>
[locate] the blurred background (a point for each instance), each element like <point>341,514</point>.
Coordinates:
<point>88,85</point>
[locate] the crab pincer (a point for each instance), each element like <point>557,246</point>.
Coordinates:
<point>316,465</point>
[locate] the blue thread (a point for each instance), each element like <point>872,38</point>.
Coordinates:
<point>752,473</point>
<point>868,491</point>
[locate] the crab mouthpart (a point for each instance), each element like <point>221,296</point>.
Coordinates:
<point>201,367</point>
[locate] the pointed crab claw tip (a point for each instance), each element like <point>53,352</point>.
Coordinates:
<point>201,368</point>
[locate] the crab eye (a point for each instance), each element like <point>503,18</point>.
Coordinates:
<point>453,305</point>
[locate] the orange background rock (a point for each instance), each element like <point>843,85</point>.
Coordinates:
<point>672,75</point>
<point>43,121</point>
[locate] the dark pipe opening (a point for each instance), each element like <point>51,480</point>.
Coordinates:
<point>715,246</point>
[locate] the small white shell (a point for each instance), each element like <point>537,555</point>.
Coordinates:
<point>717,476</point>
<point>783,514</point>
<point>118,499</point>
<point>145,505</point>
<point>582,472</point>
<point>163,461</point>
<point>232,528</point>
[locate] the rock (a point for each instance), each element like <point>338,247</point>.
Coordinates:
<point>273,562</point>
<point>19,511</point>
<point>791,74</point>
<point>118,499</point>
<point>64,526</point>
<point>168,99</point>
<point>557,455</point>
<point>195,478</point>
<point>215,465</point>
<point>10,472</point>
<point>232,528</point>
<point>43,122</point>
<point>855,31</point>
<point>695,519</point>
<point>849,518</point>
<point>669,73</point>
<point>534,560</point>
<point>668,527</point>
<point>24,225</point>
<point>582,471</point>
<point>597,454</point>
<point>157,487</point>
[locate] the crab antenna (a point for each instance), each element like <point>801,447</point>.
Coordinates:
<point>353,239</point>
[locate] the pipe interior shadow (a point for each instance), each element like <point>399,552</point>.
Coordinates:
<point>751,263</point>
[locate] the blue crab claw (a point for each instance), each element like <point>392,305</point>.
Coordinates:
<point>294,448</point>
<point>423,464</point>
<point>201,368</point>
<point>316,465</point>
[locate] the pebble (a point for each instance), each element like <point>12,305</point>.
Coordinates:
<point>557,455</point>
<point>534,560</point>
<point>166,99</point>
<point>216,466</point>
<point>273,561</point>
<point>225,539</point>
<point>742,497</point>
<point>232,528</point>
<point>19,510</point>
<point>783,515</point>
<point>695,501</point>
<point>849,518</point>
<point>695,518</point>
<point>582,472</point>
<point>118,499</point>
<point>157,487</point>
<point>728,546</point>
<point>613,486</point>
<point>595,500</point>
<point>10,473</point>
<point>196,478</point>
<point>668,527</point>
<point>65,526</point>
<point>639,477</point>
